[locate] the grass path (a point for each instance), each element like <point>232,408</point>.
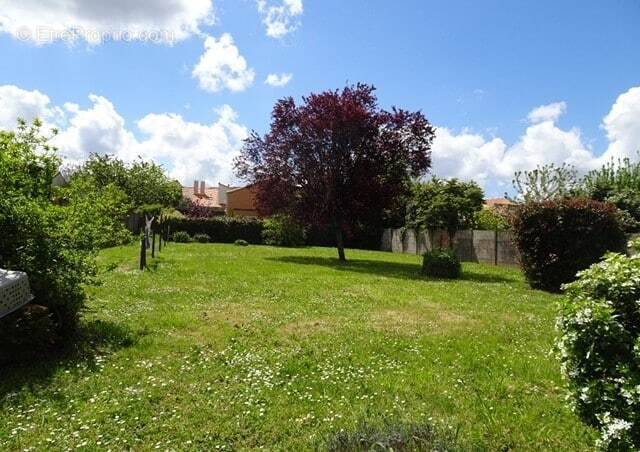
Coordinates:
<point>220,347</point>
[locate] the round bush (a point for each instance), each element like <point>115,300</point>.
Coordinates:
<point>202,238</point>
<point>558,238</point>
<point>441,264</point>
<point>599,348</point>
<point>181,237</point>
<point>241,242</point>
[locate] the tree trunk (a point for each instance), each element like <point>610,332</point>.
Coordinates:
<point>451,234</point>
<point>340,244</point>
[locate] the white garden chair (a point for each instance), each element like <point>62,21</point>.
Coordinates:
<point>14,291</point>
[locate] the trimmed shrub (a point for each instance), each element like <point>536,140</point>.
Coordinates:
<point>558,238</point>
<point>441,263</point>
<point>201,238</point>
<point>394,437</point>
<point>281,230</point>
<point>241,242</point>
<point>181,237</point>
<point>599,348</point>
<point>221,229</point>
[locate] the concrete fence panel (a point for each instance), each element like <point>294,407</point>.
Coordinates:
<point>506,251</point>
<point>490,247</point>
<point>396,241</point>
<point>484,246</point>
<point>409,242</point>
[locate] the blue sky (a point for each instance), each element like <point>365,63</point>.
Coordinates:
<point>475,68</point>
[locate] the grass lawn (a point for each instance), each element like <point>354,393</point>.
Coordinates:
<point>227,347</point>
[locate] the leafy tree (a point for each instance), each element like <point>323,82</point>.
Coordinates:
<point>27,163</point>
<point>93,216</point>
<point>336,159</point>
<point>145,183</point>
<point>545,182</point>
<point>618,183</point>
<point>444,204</point>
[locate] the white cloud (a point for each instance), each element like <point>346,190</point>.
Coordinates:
<point>622,125</point>
<point>550,112</point>
<point>281,18</point>
<point>468,155</point>
<point>94,21</point>
<point>16,102</point>
<point>222,67</point>
<point>196,151</point>
<point>191,150</point>
<point>278,79</point>
<point>99,129</point>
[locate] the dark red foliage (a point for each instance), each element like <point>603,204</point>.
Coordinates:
<point>558,238</point>
<point>336,160</point>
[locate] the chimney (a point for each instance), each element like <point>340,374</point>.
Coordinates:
<point>195,187</point>
<point>202,192</point>
<point>222,193</point>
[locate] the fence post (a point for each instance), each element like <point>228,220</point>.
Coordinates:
<point>143,253</point>
<point>160,239</point>
<point>153,244</point>
<point>495,247</point>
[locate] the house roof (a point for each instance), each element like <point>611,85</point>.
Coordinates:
<point>491,202</point>
<point>208,199</point>
<point>232,189</point>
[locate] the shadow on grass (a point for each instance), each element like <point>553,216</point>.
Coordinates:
<point>398,270</point>
<point>92,339</point>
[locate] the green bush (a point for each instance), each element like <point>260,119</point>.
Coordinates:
<point>281,230</point>
<point>599,347</point>
<point>441,263</point>
<point>558,238</point>
<point>181,237</point>
<point>490,219</point>
<point>34,236</point>
<point>221,229</point>
<point>201,238</point>
<point>241,242</point>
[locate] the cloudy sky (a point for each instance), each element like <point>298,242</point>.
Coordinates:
<point>508,84</point>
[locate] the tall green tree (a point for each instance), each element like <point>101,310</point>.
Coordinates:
<point>444,204</point>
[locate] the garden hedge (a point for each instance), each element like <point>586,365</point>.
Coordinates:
<point>559,238</point>
<point>221,229</point>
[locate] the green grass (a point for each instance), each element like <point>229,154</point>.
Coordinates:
<point>227,347</point>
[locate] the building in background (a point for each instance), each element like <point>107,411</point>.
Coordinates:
<point>223,199</point>
<point>241,202</point>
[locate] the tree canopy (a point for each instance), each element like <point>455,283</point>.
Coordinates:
<point>444,204</point>
<point>336,159</point>
<point>144,182</point>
